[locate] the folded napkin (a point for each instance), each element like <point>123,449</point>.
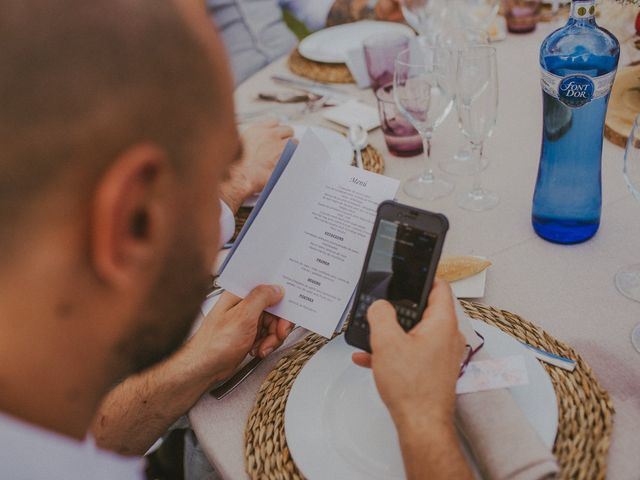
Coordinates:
<point>501,439</point>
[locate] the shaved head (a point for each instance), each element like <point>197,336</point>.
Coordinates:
<point>80,82</point>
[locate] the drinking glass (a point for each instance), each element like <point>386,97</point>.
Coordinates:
<point>478,14</point>
<point>457,39</point>
<point>380,52</point>
<point>522,15</point>
<point>477,106</point>
<point>401,138</point>
<point>627,280</point>
<point>423,91</point>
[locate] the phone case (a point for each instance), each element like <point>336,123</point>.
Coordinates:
<point>359,337</point>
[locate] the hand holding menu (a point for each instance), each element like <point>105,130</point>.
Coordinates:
<point>310,236</point>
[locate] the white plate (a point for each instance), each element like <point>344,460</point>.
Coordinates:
<point>337,427</point>
<point>337,145</point>
<point>331,44</point>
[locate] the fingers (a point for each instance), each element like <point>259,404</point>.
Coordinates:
<point>440,309</point>
<point>362,359</point>
<point>271,122</point>
<point>261,298</point>
<point>227,301</point>
<point>383,324</point>
<point>284,132</point>
<point>277,332</point>
<point>283,329</point>
<point>267,345</point>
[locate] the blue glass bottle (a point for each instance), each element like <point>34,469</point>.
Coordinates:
<point>578,65</point>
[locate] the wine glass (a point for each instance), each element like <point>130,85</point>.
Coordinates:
<point>477,105</point>
<point>423,92</point>
<point>424,16</point>
<point>627,280</point>
<point>478,14</point>
<point>457,39</point>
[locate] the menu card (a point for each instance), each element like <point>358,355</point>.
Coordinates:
<point>309,233</point>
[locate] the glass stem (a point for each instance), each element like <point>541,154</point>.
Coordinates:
<point>476,153</point>
<point>427,175</point>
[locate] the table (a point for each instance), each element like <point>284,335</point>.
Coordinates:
<point>568,290</point>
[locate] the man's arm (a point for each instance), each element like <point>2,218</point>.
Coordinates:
<point>141,409</point>
<point>262,146</point>
<point>430,450</point>
<point>345,11</point>
<point>416,374</point>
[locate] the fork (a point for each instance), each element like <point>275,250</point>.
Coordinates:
<point>240,376</point>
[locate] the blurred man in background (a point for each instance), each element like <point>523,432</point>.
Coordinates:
<point>255,33</point>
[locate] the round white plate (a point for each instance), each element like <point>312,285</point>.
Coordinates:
<point>332,44</point>
<point>337,145</point>
<point>337,426</point>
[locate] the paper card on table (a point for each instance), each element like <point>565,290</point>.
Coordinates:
<point>493,374</point>
<point>353,113</point>
<point>470,287</point>
<point>357,65</point>
<point>311,237</point>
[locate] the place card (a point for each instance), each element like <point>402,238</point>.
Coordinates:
<point>353,113</point>
<point>357,65</point>
<point>492,374</point>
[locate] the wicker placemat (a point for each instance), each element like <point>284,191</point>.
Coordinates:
<point>372,160</point>
<point>319,72</point>
<point>584,408</point>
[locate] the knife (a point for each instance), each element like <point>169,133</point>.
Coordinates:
<point>230,384</point>
<point>313,87</point>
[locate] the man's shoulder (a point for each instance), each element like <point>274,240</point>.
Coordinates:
<point>32,452</point>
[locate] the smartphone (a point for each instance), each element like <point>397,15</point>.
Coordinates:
<point>400,266</point>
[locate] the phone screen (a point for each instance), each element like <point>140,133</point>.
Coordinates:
<point>398,264</point>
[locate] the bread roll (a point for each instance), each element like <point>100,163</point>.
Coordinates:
<point>455,268</point>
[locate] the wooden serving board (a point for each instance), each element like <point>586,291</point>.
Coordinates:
<point>624,105</point>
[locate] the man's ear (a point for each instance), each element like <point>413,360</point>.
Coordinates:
<point>132,216</point>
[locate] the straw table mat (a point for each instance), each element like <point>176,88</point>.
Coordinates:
<point>584,421</point>
<point>317,71</point>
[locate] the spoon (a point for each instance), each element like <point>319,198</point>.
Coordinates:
<point>358,138</point>
<point>281,97</point>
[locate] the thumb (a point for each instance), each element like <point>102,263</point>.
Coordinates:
<point>383,324</point>
<point>261,298</point>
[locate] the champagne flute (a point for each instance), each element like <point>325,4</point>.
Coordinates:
<point>627,280</point>
<point>477,106</point>
<point>424,95</point>
<point>457,39</point>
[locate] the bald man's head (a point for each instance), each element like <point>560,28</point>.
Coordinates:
<point>81,81</point>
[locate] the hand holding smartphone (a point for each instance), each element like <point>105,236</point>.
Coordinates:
<point>399,267</point>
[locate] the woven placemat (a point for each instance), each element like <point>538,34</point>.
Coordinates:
<point>372,160</point>
<point>319,72</point>
<point>585,412</point>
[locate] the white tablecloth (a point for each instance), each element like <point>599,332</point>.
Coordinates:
<point>568,290</point>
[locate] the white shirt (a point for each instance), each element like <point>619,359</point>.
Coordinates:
<point>28,452</point>
<point>227,224</point>
<point>312,13</point>
<point>255,33</point>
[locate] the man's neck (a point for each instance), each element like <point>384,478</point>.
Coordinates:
<point>47,375</point>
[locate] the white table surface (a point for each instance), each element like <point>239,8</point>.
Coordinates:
<point>568,290</point>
